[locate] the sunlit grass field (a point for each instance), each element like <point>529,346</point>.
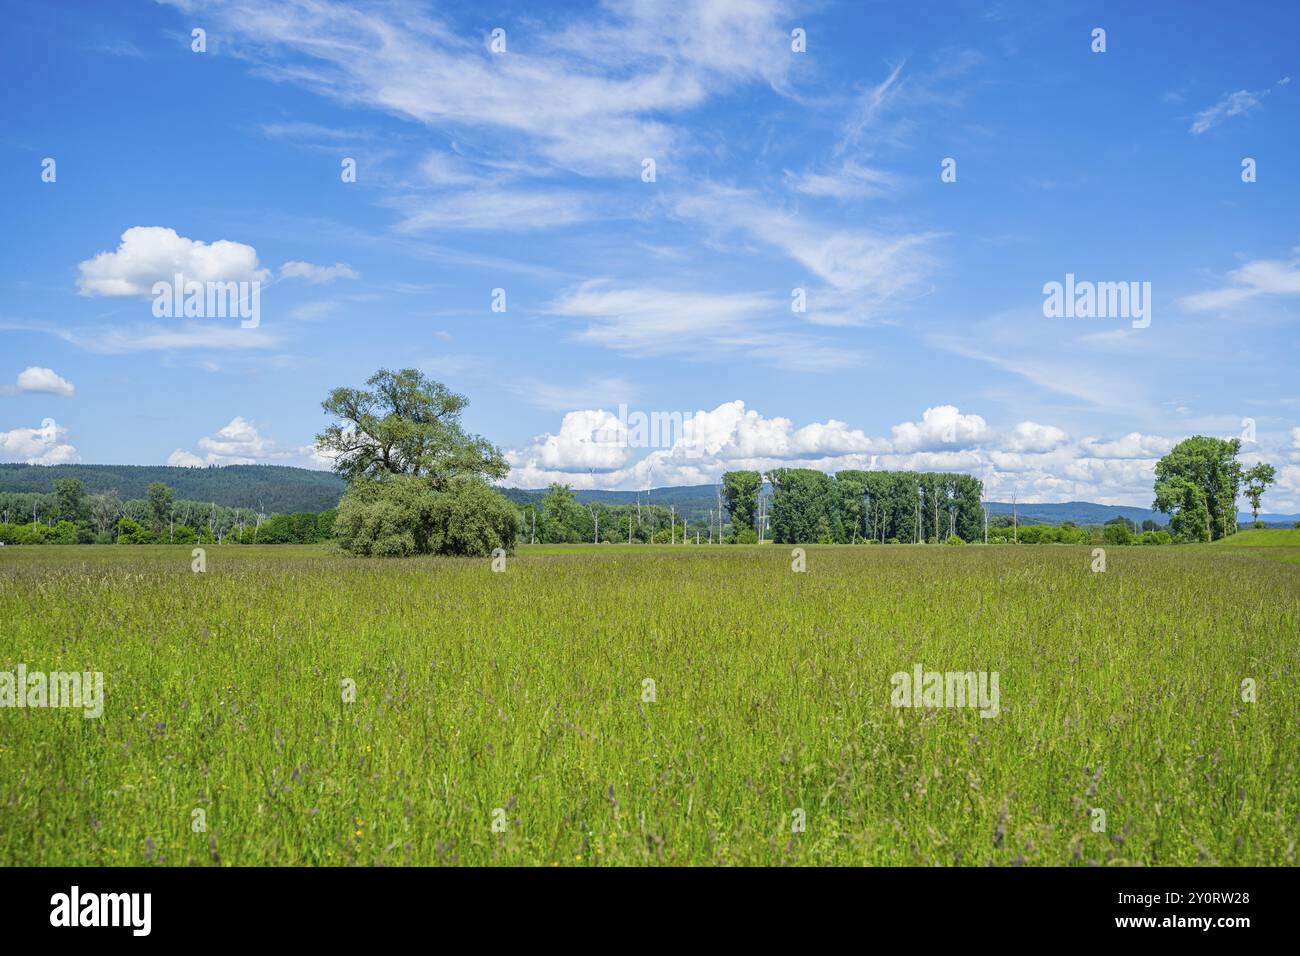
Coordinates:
<point>520,698</point>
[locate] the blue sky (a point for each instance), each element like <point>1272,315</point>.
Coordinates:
<point>924,342</point>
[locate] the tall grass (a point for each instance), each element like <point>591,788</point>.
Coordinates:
<point>523,692</point>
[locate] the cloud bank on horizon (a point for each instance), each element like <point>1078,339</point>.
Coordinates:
<point>821,234</point>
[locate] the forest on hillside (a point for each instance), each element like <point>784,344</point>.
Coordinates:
<point>265,488</point>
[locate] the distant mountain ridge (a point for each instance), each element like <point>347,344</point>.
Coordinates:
<point>269,488</point>
<point>281,488</point>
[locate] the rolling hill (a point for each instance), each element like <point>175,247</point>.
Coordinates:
<point>269,488</point>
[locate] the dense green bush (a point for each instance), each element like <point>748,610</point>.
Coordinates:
<point>1117,533</point>
<point>470,518</point>
<point>22,533</point>
<point>400,515</point>
<point>130,531</point>
<point>1155,537</point>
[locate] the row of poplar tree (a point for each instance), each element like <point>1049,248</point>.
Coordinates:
<point>891,507</point>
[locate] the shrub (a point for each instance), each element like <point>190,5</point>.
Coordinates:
<point>23,533</point>
<point>1156,537</point>
<point>184,534</point>
<point>747,536</point>
<point>401,515</point>
<point>64,532</point>
<point>1117,533</point>
<point>470,518</point>
<point>130,531</point>
<point>954,539</point>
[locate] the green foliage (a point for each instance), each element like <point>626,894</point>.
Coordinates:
<point>271,488</point>
<point>1190,509</point>
<point>65,532</point>
<point>809,506</point>
<point>1117,533</point>
<point>1155,537</point>
<point>562,518</point>
<point>69,495</point>
<point>23,533</point>
<point>405,424</point>
<point>130,531</point>
<point>402,515</point>
<point>1052,534</point>
<point>1257,481</point>
<point>470,518</point>
<point>740,491</point>
<point>803,503</point>
<point>1197,483</point>
<point>160,504</point>
<point>183,534</point>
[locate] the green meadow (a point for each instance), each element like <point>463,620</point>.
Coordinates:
<point>612,705</point>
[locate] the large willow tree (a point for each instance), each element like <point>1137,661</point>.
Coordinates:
<point>417,481</point>
<point>405,424</point>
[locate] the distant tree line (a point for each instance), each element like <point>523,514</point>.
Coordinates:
<point>888,507</point>
<point>273,489</point>
<point>560,518</point>
<point>69,515</point>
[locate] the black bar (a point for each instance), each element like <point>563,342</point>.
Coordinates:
<point>334,906</point>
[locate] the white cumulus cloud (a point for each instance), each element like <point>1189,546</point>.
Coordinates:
<point>241,442</point>
<point>36,378</point>
<point>46,445</point>
<point>149,254</point>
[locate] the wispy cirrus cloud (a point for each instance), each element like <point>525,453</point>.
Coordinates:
<point>1259,277</point>
<point>647,322</point>
<point>317,275</point>
<point>143,337</point>
<point>1233,104</point>
<point>593,97</point>
<point>865,273</point>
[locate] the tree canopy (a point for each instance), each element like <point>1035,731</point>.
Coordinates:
<point>1197,484</point>
<point>405,424</point>
<point>740,490</point>
<point>1257,481</point>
